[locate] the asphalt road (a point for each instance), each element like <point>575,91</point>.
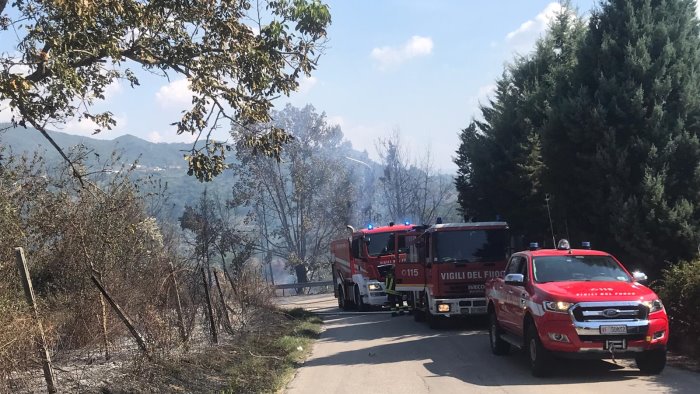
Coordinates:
<point>375,353</point>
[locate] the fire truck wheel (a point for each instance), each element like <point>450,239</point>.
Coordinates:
<point>342,302</point>
<point>434,322</point>
<point>418,314</point>
<point>361,306</point>
<point>651,362</point>
<point>538,355</point>
<point>499,347</point>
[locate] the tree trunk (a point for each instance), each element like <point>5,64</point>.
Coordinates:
<point>178,305</point>
<point>31,301</point>
<point>103,318</point>
<point>210,310</point>
<point>124,318</point>
<point>223,301</point>
<point>300,270</point>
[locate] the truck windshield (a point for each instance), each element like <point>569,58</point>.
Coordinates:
<point>470,245</point>
<point>383,244</point>
<point>577,268</point>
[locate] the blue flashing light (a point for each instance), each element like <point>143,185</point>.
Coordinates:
<point>407,222</point>
<point>585,245</point>
<point>534,246</point>
<point>369,227</point>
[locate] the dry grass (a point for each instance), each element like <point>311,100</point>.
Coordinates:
<point>258,362</point>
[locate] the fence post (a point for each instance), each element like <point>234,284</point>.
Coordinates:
<point>124,318</point>
<point>180,318</point>
<point>31,300</point>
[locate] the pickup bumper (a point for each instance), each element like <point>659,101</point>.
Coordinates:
<point>592,339</point>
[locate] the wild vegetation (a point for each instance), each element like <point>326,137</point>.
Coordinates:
<point>601,126</point>
<point>601,121</point>
<point>236,56</point>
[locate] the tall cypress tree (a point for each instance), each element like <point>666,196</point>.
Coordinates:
<point>500,162</point>
<point>622,144</point>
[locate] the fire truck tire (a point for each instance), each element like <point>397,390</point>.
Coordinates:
<point>540,358</point>
<point>361,306</point>
<point>342,302</point>
<point>418,314</point>
<point>434,321</point>
<point>651,362</point>
<point>499,347</point>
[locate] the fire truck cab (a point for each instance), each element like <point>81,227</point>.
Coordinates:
<point>447,266</point>
<point>357,280</point>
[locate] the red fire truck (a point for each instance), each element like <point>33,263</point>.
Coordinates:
<point>447,266</point>
<point>357,280</point>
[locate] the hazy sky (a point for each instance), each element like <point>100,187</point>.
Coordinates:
<point>419,66</point>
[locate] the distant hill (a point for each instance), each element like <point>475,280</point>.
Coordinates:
<point>161,161</point>
<point>164,161</point>
<point>149,154</point>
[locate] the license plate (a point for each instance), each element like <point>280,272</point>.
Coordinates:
<point>615,344</point>
<point>613,329</point>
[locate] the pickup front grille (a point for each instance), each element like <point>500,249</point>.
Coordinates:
<point>622,311</point>
<point>600,338</point>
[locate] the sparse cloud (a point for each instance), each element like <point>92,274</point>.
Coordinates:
<point>86,127</point>
<point>481,97</point>
<point>176,94</point>
<point>170,136</point>
<point>306,84</point>
<point>523,38</point>
<point>5,111</point>
<point>363,137</point>
<point>336,121</point>
<point>155,137</point>
<point>388,56</point>
<point>485,92</point>
<point>112,90</point>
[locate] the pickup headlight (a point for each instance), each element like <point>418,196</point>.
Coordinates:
<point>654,306</point>
<point>557,306</point>
<point>374,286</point>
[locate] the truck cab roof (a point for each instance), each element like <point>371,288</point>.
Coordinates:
<point>385,229</point>
<point>466,226</point>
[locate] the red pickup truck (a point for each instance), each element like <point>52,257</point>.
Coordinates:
<point>576,303</point>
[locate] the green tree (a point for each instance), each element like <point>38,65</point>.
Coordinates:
<point>302,201</point>
<point>500,161</point>
<point>218,234</point>
<point>235,60</point>
<point>622,144</point>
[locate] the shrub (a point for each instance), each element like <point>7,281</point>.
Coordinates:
<point>680,292</point>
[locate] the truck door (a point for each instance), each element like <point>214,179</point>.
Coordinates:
<point>521,296</point>
<point>510,295</point>
<point>409,271</point>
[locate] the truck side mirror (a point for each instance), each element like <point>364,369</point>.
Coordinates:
<point>515,279</point>
<point>640,277</point>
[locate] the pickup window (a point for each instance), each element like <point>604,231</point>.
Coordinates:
<point>577,268</point>
<point>517,265</point>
